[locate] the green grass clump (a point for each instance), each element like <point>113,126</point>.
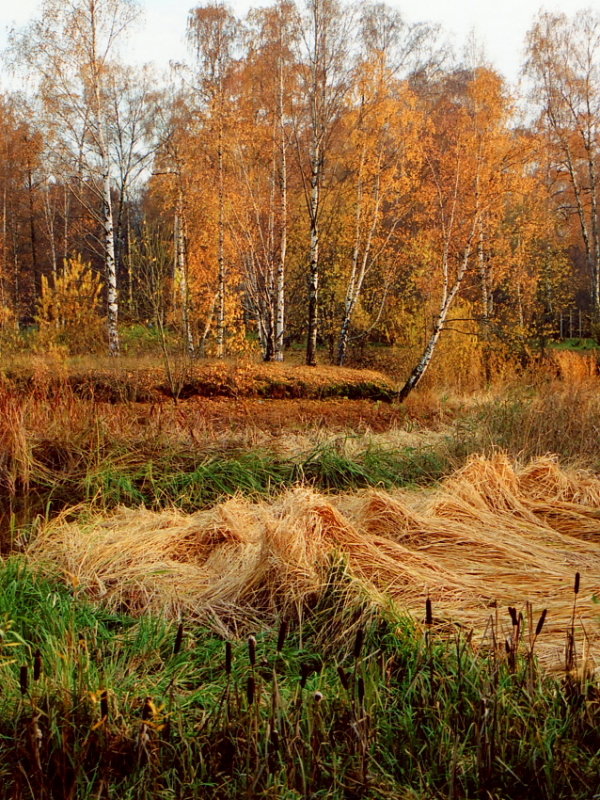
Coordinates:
<point>354,702</point>
<point>259,473</point>
<point>191,481</point>
<point>577,344</point>
<point>330,468</point>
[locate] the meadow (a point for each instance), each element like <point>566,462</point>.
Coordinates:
<point>277,582</point>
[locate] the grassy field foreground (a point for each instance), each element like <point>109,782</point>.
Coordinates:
<point>231,597</point>
<point>354,701</point>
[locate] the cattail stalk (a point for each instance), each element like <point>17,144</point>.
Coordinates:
<point>344,679</point>
<point>104,704</point>
<point>178,639</point>
<point>281,636</point>
<point>252,650</point>
<point>23,679</point>
<point>358,643</point>
<point>360,689</point>
<point>228,658</point>
<point>250,689</point>
<point>304,673</point>
<point>37,665</point>
<point>428,612</point>
<point>540,624</point>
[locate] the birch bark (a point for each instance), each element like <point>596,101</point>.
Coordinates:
<point>448,297</point>
<point>279,305</point>
<point>181,273</point>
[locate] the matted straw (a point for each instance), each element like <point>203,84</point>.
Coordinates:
<point>491,533</point>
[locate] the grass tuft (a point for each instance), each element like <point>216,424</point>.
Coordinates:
<point>415,714</point>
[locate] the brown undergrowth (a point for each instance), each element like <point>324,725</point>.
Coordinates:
<point>130,380</point>
<point>493,534</point>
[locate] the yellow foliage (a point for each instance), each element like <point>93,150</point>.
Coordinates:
<point>7,318</point>
<point>69,315</point>
<point>10,338</point>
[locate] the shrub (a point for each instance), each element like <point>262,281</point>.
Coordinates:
<point>69,315</point>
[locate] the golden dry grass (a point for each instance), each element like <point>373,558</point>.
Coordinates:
<point>491,533</point>
<point>576,367</point>
<point>125,378</point>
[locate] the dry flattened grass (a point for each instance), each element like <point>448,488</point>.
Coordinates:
<point>490,533</point>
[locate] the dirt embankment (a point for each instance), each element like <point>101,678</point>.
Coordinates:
<point>206,379</point>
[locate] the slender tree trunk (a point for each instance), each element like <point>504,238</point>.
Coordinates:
<point>120,228</point>
<point>208,324</point>
<point>283,221</point>
<point>593,262</point>
<point>110,266</point>
<point>181,278</point>
<point>37,278</point>
<point>359,265</point>
<point>66,208</point>
<point>316,117</point>
<point>266,292</point>
<point>447,299</point>
<point>350,300</point>
<point>420,369</point>
<point>16,277</point>
<point>595,223</point>
<point>313,276</point>
<point>3,273</point>
<point>108,232</point>
<point>221,247</point>
<point>50,218</point>
<point>485,306</point>
<point>344,334</point>
<point>266,335</point>
<point>129,266</point>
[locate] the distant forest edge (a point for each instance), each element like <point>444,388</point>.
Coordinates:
<point>322,174</point>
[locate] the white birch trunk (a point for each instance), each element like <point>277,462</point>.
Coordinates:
<point>181,277</point>
<point>484,275</point>
<point>221,250</point>
<point>108,233</point>
<point>283,213</point>
<point>420,369</point>
<point>110,265</point>
<point>592,258</point>
<point>448,296</point>
<point>49,216</point>
<point>317,122</point>
<point>313,277</point>
<point>66,208</point>
<point>208,324</point>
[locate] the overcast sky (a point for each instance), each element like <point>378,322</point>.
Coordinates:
<point>499,25</point>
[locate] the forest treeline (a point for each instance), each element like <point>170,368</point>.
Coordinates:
<point>317,173</point>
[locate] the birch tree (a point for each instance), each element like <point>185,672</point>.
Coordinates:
<point>326,37</point>
<point>212,31</point>
<point>71,49</point>
<point>467,158</point>
<point>564,65</point>
<point>132,101</point>
<point>384,139</point>
<point>268,95</point>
